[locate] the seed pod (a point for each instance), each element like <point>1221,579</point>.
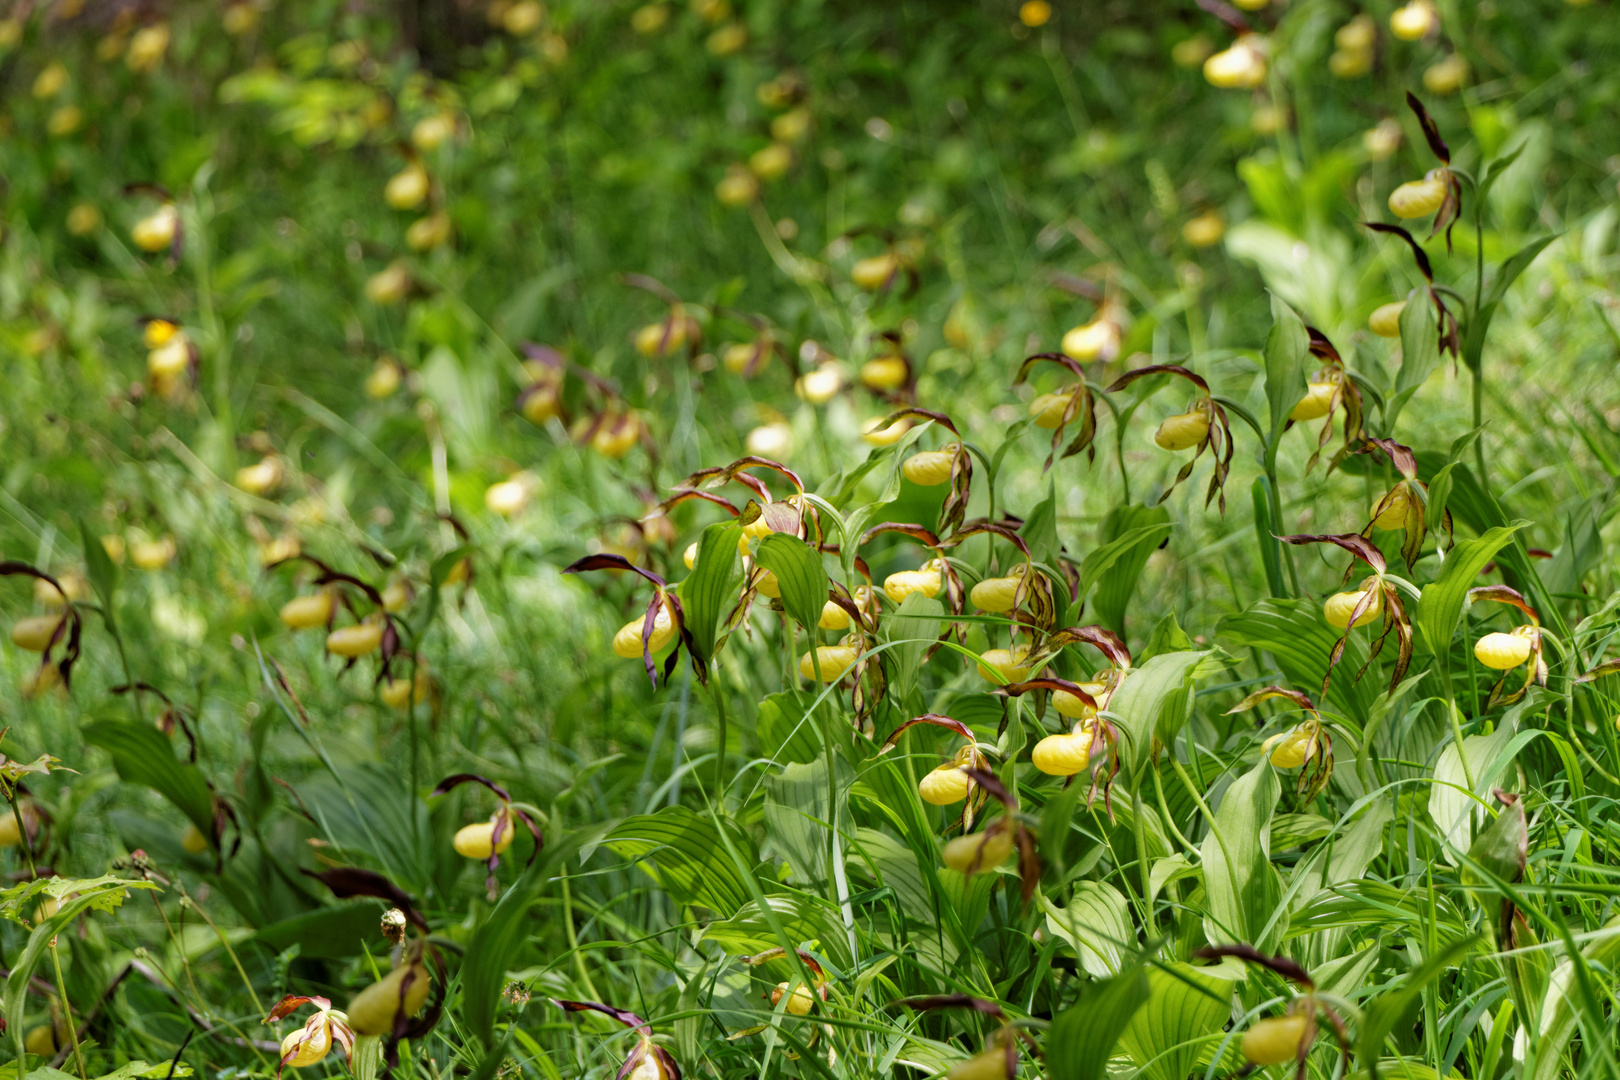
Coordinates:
<point>1385,321</point>
<point>885,373</point>
<point>835,660</point>
<point>875,273</point>
<point>1011,665</point>
<point>1414,20</point>
<point>1182,431</point>
<point>1063,755</point>
<point>1419,198</point>
<point>407,189</point>
<point>1339,606</point>
<point>1274,1040</point>
<point>356,640</point>
<point>1502,652</point>
<point>474,841</point>
<point>34,632</point>
<point>929,468</point>
<point>1096,340</point>
<point>799,1002</point>
<point>978,852</point>
<point>903,583</point>
<point>157,230</point>
<point>1315,404</point>
<point>944,786</point>
<point>627,642</point>
<point>373,1010</point>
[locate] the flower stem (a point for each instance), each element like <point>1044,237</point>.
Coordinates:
<point>61,992</point>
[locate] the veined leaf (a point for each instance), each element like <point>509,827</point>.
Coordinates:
<point>1241,887</point>
<point>711,588</point>
<point>1096,924</point>
<point>1146,693</point>
<point>1082,1038</point>
<point>800,576</point>
<point>688,860</point>
<point>1473,347</point>
<point>1300,641</point>
<point>1129,535</point>
<point>1420,352</point>
<point>1286,356</point>
<point>1040,528</point>
<point>1440,607</point>
<point>1181,1022</point>
<point>142,755</point>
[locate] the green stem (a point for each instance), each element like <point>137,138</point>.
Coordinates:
<point>720,744</point>
<point>61,992</point>
<point>226,945</point>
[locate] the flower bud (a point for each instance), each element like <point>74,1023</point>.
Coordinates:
<point>1339,606</point>
<point>627,642</point>
<point>884,373</point>
<point>427,233</point>
<point>1316,403</point>
<point>1242,67</point>
<point>1274,1040</point>
<point>34,632</point>
<point>877,272</point>
<point>41,1041</point>
<point>978,852</point>
<point>1445,76</point>
<point>356,640</point>
<point>1048,409</point>
<point>1503,652</point>
<point>665,337</point>
<point>1419,198</point>
<point>1010,665</point>
<point>373,1010</point>
<point>157,230</point>
<point>408,188</point>
<point>945,785</point>
<point>1291,750</point>
<point>727,40</point>
<point>835,660</point>
<point>821,385</point>
<point>1182,431</point>
<point>1414,20</point>
<point>1205,230</point>
<point>384,379</point>
<point>1033,13</point>
<point>307,612</point>
<point>876,435</point>
<point>1064,755</point>
<point>1069,705</point>
<point>903,583</point>
<point>771,163</point>
<point>153,554</point>
<point>260,478</point>
<point>930,468</point>
<point>1096,340</point>
<point>475,841</point>
<point>389,285</point>
<point>798,1003</point>
<point>1385,321</point>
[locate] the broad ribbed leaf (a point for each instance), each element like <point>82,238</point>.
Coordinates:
<point>683,853</point>
<point>1440,608</point>
<point>1420,351</point>
<point>1146,694</point>
<point>1082,1037</point>
<point>799,575</point>
<point>142,755</point>
<point>711,589</point>
<point>1241,887</point>
<point>491,950</point>
<point>1299,639</point>
<point>1181,1021</point>
<point>1040,528</point>
<point>1096,924</point>
<point>1287,360</point>
<point>1129,535</point>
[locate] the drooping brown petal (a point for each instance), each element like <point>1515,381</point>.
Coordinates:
<point>1269,692</point>
<point>611,562</point>
<point>915,532</point>
<point>350,881</point>
<point>1431,130</point>
<point>1156,369</point>
<point>993,786</point>
<point>1418,254</point>
<point>683,494</point>
<point>1045,683</point>
<point>778,953</point>
<point>936,719</point>
<point>954,1001</point>
<point>926,414</point>
<point>628,1019</point>
<point>1100,638</point>
<point>1504,594</point>
<point>1282,965</point>
<point>1401,457</point>
<point>1356,544</point>
<point>286,1005</point>
<point>1608,667</point>
<point>450,783</point>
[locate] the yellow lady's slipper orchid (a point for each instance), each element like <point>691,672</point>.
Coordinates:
<point>476,841</point>
<point>1385,321</point>
<point>930,468</point>
<point>307,612</point>
<point>1420,198</point>
<point>627,642</point>
<point>1316,403</point>
<point>1338,608</point>
<point>356,640</point>
<point>1274,1040</point>
<point>1182,431</point>
<point>979,852</point>
<point>373,1010</point>
<point>1502,652</point>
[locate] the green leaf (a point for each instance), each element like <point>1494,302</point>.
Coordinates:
<point>915,626</point>
<point>786,732</point>
<point>796,817</point>
<point>1096,924</point>
<point>1389,1006</point>
<point>1420,352</point>
<point>710,590</point>
<point>1271,559</point>
<point>1082,1037</point>
<point>328,933</point>
<point>1473,347</point>
<point>1187,1008</point>
<point>1167,637</point>
<point>1152,688</point>
<point>490,952</point>
<point>1300,640</point>
<point>1440,607</point>
<point>1040,528</point>
<point>142,755</point>
<point>799,574</point>
<point>687,858</point>
<point>1128,534</point>
<point>101,571</point>
<point>1240,884</point>
<point>1287,357</point>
